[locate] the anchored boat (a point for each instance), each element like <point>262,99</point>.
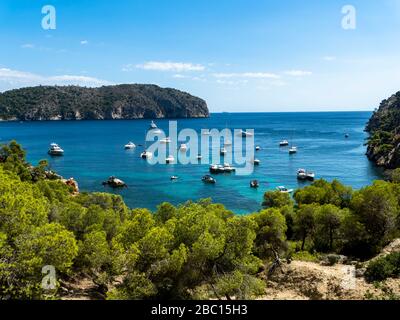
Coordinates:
<point>284,143</point>
<point>55,150</point>
<point>209,179</point>
<point>130,145</point>
<point>283,189</point>
<point>254,184</point>
<point>303,174</point>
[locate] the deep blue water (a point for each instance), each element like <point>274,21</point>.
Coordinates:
<point>94,151</point>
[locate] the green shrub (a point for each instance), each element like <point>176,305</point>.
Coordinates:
<point>306,256</point>
<point>383,268</point>
<point>332,259</point>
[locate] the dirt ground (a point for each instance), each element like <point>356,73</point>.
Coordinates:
<point>301,280</point>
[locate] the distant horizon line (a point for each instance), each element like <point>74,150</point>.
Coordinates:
<point>309,111</point>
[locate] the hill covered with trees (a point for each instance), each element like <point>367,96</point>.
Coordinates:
<point>384,129</point>
<point>197,250</point>
<point>128,101</point>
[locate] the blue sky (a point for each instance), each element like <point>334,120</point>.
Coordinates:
<point>238,55</point>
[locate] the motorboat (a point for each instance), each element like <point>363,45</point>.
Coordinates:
<point>293,150</point>
<point>223,151</point>
<point>55,150</point>
<point>114,182</point>
<point>199,157</point>
<point>130,145</point>
<point>183,147</point>
<point>346,135</point>
<point>254,184</point>
<point>228,168</point>
<point>170,159</point>
<point>303,174</point>
<point>256,162</point>
<point>174,178</point>
<point>146,154</point>
<point>283,189</point>
<point>284,143</point>
<point>258,148</point>
<point>310,176</point>
<point>215,168</point>
<point>209,179</point>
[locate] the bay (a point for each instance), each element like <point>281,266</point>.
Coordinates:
<point>94,150</point>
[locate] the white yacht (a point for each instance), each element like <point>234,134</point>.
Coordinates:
<point>228,168</point>
<point>223,151</point>
<point>303,174</point>
<point>311,176</point>
<point>55,150</point>
<point>258,148</point>
<point>256,162</point>
<point>146,154</point>
<point>199,157</point>
<point>284,143</point>
<point>293,150</point>
<point>130,145</point>
<point>282,189</point>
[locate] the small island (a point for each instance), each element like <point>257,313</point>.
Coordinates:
<point>122,102</point>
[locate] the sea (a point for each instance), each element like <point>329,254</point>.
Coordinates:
<point>94,150</point>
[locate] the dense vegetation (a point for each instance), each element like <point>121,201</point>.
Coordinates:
<point>195,250</point>
<point>384,129</point>
<point>107,102</point>
<point>384,267</point>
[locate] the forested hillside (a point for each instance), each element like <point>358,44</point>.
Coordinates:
<point>384,128</point>
<point>108,102</point>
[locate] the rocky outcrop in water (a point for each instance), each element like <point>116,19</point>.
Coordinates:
<point>384,128</point>
<point>128,101</point>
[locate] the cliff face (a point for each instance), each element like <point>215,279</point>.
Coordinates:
<point>384,128</point>
<point>109,102</point>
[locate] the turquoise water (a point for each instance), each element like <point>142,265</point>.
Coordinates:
<point>94,151</point>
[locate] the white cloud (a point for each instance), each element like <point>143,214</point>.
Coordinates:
<point>298,73</point>
<point>179,76</point>
<point>27,46</point>
<point>166,66</point>
<point>254,75</point>
<point>329,58</point>
<point>84,42</point>
<point>10,79</point>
